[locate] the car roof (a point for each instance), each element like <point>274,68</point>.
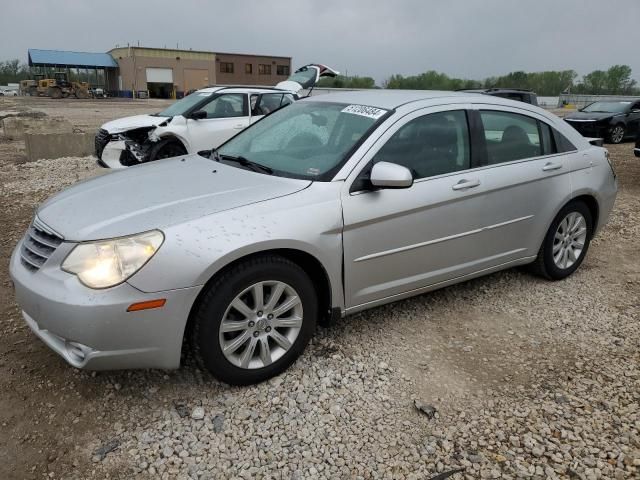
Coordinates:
<point>497,90</point>
<point>242,89</point>
<point>391,99</point>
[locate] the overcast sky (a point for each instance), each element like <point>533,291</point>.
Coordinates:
<point>463,38</point>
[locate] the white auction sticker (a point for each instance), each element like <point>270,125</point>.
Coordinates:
<point>363,110</point>
<point>205,94</point>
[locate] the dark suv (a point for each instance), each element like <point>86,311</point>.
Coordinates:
<point>526,96</point>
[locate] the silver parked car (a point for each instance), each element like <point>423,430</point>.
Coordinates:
<point>333,205</point>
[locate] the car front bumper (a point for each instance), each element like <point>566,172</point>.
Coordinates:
<point>590,129</point>
<point>92,329</point>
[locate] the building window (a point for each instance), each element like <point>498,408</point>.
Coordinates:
<point>264,69</point>
<point>226,67</point>
<point>248,68</point>
<point>283,70</point>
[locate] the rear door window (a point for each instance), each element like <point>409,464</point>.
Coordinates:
<point>562,143</point>
<point>510,136</point>
<point>548,142</point>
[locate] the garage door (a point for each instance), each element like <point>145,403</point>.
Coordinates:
<point>160,75</point>
<point>195,78</point>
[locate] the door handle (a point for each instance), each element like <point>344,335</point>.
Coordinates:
<point>238,127</point>
<point>551,166</point>
<point>464,184</point>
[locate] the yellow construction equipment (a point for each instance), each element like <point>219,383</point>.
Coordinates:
<point>57,87</point>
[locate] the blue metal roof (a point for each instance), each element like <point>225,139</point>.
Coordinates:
<point>76,59</point>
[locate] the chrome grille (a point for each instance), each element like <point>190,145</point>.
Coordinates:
<point>38,245</point>
<point>101,140</point>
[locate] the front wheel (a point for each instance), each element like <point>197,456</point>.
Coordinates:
<point>166,149</point>
<point>55,92</point>
<point>617,133</point>
<point>254,320</point>
<point>566,242</point>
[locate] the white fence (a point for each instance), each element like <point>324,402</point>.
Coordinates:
<point>549,102</point>
<point>581,101</point>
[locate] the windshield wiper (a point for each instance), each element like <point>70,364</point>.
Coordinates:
<point>245,162</point>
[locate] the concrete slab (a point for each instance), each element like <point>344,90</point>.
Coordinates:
<point>15,128</point>
<point>56,145</point>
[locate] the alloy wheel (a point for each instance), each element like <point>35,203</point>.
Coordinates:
<point>569,240</point>
<point>261,324</point>
<point>617,134</point>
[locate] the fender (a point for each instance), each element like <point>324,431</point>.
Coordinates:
<point>177,130</point>
<point>199,249</point>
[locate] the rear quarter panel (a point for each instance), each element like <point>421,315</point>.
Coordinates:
<point>592,175</point>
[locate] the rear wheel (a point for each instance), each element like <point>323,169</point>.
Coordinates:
<point>81,93</point>
<point>166,149</point>
<point>566,242</point>
<point>617,133</point>
<point>255,320</point>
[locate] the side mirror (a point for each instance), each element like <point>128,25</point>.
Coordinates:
<point>198,115</point>
<point>391,175</point>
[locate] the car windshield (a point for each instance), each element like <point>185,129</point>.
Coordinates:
<point>309,140</point>
<point>607,107</point>
<point>185,104</point>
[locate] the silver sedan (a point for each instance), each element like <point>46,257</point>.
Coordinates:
<point>327,207</point>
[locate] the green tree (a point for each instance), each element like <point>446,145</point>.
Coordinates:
<point>594,83</point>
<point>342,81</point>
<point>619,81</point>
<point>543,83</point>
<point>12,71</point>
<point>430,80</point>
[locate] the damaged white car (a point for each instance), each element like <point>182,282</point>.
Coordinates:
<point>200,121</point>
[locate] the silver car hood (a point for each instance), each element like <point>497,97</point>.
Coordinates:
<point>156,195</point>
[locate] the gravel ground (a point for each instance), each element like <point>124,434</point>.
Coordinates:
<point>515,377</point>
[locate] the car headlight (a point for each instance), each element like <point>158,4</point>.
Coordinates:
<point>107,263</point>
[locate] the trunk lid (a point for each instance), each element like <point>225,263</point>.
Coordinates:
<point>307,77</point>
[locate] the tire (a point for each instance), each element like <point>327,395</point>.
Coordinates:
<point>286,334</point>
<point>55,93</point>
<point>550,262</point>
<point>616,134</point>
<point>81,93</point>
<point>32,92</point>
<point>166,149</point>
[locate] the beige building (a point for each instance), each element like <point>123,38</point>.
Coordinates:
<point>167,73</point>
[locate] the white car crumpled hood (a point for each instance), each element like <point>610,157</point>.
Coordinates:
<point>156,195</point>
<point>131,123</point>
